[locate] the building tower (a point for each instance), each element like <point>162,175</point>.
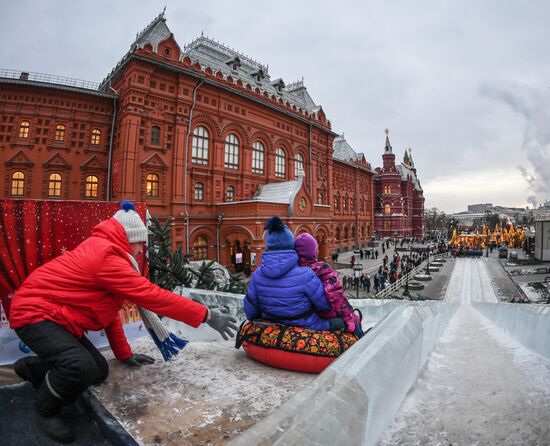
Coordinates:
<point>389,203</point>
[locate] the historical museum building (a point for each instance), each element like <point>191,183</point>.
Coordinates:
<point>204,135</point>
<point>399,210</point>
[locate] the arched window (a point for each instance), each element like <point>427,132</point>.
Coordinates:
<point>17,184</point>
<point>54,185</point>
<point>24,128</point>
<point>336,202</point>
<point>91,186</point>
<point>200,248</point>
<point>231,152</point>
<point>60,133</point>
<point>353,233</point>
<point>258,154</point>
<point>199,191</point>
<point>230,193</point>
<point>155,135</point>
<point>152,185</point>
<point>280,163</point>
<point>387,209</point>
<point>346,233</point>
<point>338,234</point>
<point>387,190</point>
<point>344,204</point>
<point>96,137</point>
<point>320,197</point>
<point>199,151</point>
<point>299,165</point>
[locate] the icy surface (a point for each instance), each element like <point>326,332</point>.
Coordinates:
<point>479,386</point>
<point>355,398</point>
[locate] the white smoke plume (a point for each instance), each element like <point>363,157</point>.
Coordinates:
<point>534,106</point>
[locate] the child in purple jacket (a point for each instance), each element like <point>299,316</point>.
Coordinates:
<point>306,247</point>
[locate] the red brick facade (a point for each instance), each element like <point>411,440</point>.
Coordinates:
<point>195,142</point>
<point>400,199</point>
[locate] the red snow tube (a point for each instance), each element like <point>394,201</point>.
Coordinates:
<point>292,348</point>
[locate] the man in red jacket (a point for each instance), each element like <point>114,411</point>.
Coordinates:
<point>81,290</point>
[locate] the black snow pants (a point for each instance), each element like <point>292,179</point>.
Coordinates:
<point>69,364</point>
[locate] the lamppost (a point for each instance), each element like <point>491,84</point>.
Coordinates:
<point>357,268</point>
<point>428,265</point>
<point>406,292</point>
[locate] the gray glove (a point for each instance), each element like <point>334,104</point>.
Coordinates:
<point>336,324</point>
<point>222,323</point>
<point>138,360</point>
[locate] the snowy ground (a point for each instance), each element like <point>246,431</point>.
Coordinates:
<point>210,393</point>
<point>479,386</point>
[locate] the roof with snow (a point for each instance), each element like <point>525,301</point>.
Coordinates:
<point>208,52</point>
<point>343,151</point>
<point>405,172</point>
<point>219,57</point>
<point>283,192</point>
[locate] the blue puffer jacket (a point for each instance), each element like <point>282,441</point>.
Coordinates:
<point>283,291</point>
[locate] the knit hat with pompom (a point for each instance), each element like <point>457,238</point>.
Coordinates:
<point>131,221</point>
<point>278,236</point>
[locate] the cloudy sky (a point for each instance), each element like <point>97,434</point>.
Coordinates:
<point>465,84</point>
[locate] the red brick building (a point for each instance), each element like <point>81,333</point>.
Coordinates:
<point>399,208</point>
<point>202,134</point>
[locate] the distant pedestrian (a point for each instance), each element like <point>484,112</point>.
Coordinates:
<point>376,254</point>
<point>352,260</point>
<point>344,281</point>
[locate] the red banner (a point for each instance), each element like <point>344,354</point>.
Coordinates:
<point>32,232</point>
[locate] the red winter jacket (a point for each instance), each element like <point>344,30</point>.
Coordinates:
<point>85,288</point>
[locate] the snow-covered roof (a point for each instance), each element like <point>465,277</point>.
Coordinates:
<point>405,171</point>
<point>283,192</point>
<point>343,151</point>
<point>208,52</point>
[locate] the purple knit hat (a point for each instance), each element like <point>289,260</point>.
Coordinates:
<point>306,246</point>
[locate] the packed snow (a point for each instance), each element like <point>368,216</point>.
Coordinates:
<point>479,386</point>
<point>205,396</point>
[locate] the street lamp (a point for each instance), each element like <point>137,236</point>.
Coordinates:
<point>406,292</point>
<point>357,268</point>
<point>428,265</point>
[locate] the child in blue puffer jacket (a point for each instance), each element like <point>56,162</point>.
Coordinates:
<point>282,291</point>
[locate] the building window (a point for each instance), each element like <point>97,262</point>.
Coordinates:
<point>91,186</point>
<point>199,151</point>
<point>387,190</point>
<point>258,154</point>
<point>96,137</point>
<point>54,185</point>
<point>387,209</point>
<point>299,165</point>
<point>155,135</point>
<point>17,184</point>
<point>60,133</point>
<point>152,185</point>
<point>200,248</point>
<point>344,204</point>
<point>230,193</point>
<point>231,152</point>
<point>280,163</point>
<point>199,191</point>
<point>24,128</point>
<point>320,198</point>
<point>336,203</point>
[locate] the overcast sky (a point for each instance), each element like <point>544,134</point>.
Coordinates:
<point>465,84</point>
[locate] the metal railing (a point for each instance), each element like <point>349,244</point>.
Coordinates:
<point>394,287</point>
<point>47,78</point>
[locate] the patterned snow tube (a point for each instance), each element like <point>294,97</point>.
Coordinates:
<point>292,348</point>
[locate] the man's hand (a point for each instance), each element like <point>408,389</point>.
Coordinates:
<point>138,360</point>
<point>222,323</point>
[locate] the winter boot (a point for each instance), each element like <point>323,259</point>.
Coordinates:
<point>31,369</point>
<point>48,407</point>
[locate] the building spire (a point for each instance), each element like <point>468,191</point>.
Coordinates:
<point>387,147</point>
